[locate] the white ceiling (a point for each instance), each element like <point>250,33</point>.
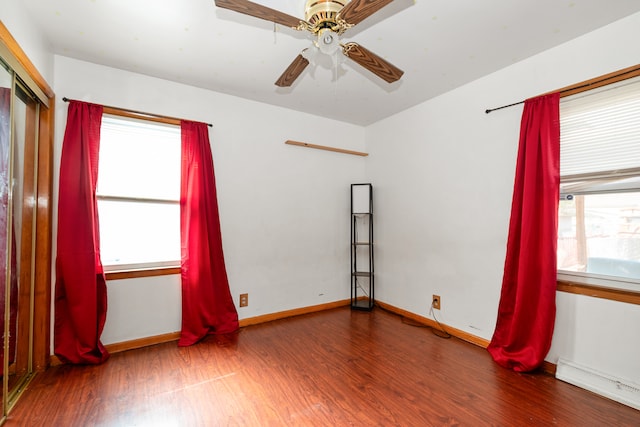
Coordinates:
<point>440,44</point>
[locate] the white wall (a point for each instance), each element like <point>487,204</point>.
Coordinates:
<point>284,209</point>
<point>14,16</point>
<point>443,173</point>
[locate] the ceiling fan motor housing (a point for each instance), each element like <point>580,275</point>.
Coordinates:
<point>322,14</point>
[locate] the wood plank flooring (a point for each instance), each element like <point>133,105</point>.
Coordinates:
<point>333,368</point>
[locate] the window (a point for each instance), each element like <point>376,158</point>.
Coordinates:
<point>599,214</point>
<point>138,192</point>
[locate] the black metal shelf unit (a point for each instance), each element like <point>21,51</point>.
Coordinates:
<point>362,273</point>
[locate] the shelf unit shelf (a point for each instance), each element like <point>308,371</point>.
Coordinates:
<point>362,304</point>
<point>362,272</point>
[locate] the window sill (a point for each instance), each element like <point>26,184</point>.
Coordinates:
<point>143,272</point>
<point>620,295</point>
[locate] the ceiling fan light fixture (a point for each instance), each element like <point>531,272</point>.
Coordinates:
<point>310,55</point>
<point>328,41</point>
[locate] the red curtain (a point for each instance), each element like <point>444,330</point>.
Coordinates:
<point>207,306</point>
<point>526,314</point>
<point>80,292</point>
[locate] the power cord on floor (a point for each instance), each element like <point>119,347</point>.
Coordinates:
<point>439,332</point>
<point>442,333</point>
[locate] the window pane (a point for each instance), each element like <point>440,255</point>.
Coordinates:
<point>600,234</point>
<point>139,159</point>
<point>132,233</point>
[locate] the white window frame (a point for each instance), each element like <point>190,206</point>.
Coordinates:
<point>153,267</point>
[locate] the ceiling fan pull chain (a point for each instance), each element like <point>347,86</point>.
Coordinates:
<point>335,88</point>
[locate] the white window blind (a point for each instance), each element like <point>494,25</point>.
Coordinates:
<point>600,133</point>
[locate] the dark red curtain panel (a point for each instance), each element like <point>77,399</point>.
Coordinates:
<point>207,306</point>
<point>81,292</point>
<point>5,234</point>
<point>526,314</point>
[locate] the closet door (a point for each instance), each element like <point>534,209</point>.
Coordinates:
<point>18,177</point>
<point>6,84</point>
<point>21,232</point>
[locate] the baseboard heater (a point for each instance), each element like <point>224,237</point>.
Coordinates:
<point>620,390</point>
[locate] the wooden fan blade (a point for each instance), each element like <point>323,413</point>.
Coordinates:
<point>259,11</point>
<point>293,71</point>
<point>372,62</point>
<point>357,10</point>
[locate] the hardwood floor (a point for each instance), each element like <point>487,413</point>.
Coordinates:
<point>332,368</point>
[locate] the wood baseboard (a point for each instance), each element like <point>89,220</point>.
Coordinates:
<point>465,336</point>
<point>174,336</point>
<point>142,342</point>
<point>290,313</point>
<point>128,345</point>
<point>547,367</point>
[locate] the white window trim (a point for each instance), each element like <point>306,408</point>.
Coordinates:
<point>142,266</point>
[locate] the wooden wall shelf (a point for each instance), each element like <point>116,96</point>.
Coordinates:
<point>324,147</point>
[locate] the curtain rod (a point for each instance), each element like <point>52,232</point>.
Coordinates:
<point>597,82</point>
<point>134,113</point>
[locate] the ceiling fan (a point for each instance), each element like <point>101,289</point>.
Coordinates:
<point>326,20</point>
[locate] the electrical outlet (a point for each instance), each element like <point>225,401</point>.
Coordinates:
<point>244,300</point>
<point>435,302</point>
